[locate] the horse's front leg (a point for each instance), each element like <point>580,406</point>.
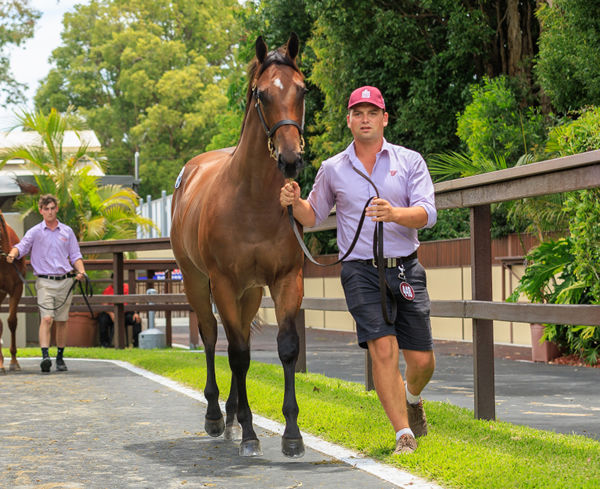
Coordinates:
<point>287,295</point>
<point>236,316</point>
<point>12,326</point>
<point>2,369</point>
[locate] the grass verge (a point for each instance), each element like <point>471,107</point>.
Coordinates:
<point>459,452</point>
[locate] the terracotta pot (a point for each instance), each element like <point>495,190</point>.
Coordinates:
<point>545,351</point>
<point>82,330</point>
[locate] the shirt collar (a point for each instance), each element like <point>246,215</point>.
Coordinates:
<point>350,151</point>
<point>45,226</point>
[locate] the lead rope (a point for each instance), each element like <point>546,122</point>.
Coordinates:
<point>377,250</point>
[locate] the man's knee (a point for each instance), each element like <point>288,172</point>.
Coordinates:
<point>384,349</point>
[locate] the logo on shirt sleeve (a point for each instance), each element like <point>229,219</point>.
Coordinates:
<point>393,172</point>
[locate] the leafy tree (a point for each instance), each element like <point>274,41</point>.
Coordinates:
<point>148,76</point>
<point>94,212</point>
<point>421,54</point>
<point>568,45</point>
<point>17,21</point>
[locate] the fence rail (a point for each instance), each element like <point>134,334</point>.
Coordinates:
<point>548,177</point>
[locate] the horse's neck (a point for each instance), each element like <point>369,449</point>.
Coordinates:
<point>253,163</point>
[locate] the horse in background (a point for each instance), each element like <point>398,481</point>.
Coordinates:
<point>231,237</point>
<point>10,284</point>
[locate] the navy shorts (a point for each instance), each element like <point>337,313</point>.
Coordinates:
<point>412,327</point>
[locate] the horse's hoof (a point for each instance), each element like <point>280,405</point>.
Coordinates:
<point>2,371</point>
<point>250,448</point>
<point>214,427</point>
<point>14,367</point>
<point>292,447</point>
<point>233,431</point>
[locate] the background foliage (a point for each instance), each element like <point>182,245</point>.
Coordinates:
<point>148,75</point>
<point>17,22</point>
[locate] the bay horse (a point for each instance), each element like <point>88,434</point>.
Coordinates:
<point>10,284</point>
<point>231,237</point>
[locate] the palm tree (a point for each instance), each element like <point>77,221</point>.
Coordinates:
<point>93,212</point>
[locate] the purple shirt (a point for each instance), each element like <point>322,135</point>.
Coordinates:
<point>52,251</point>
<point>402,178</point>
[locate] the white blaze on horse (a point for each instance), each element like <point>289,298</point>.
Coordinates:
<point>231,237</point>
<point>11,285</point>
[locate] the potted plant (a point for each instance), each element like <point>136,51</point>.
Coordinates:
<point>550,278</point>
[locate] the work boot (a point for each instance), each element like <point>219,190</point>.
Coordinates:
<point>46,364</point>
<point>405,444</point>
<point>416,418</point>
<point>60,365</point>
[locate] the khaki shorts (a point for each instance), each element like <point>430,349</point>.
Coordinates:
<point>51,294</point>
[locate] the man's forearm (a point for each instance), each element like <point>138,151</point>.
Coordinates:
<point>304,213</point>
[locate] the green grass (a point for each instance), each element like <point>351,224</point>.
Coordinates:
<point>459,452</point>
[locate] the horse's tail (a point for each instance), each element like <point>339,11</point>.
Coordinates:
<point>257,324</point>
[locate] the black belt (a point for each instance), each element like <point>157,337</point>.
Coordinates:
<point>390,262</point>
<point>57,277</point>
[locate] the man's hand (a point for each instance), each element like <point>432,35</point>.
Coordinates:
<point>12,256</point>
<point>79,276</point>
<point>380,210</point>
<point>290,194</point>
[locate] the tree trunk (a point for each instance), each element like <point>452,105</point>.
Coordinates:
<point>514,37</point>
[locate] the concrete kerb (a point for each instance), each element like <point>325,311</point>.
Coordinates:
<point>354,459</point>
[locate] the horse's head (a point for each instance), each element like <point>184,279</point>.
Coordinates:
<point>278,93</point>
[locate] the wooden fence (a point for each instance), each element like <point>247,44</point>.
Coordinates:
<point>565,174</point>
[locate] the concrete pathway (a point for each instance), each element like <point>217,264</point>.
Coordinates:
<point>107,424</point>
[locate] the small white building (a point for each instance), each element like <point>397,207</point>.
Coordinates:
<point>19,168</point>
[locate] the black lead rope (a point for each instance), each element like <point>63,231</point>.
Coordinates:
<point>377,250</point>
<point>86,291</point>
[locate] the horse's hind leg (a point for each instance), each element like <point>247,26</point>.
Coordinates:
<point>12,326</point>
<point>197,289</point>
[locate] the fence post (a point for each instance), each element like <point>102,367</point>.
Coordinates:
<point>168,321</point>
<point>119,309</point>
<point>483,329</point>
<point>369,384</point>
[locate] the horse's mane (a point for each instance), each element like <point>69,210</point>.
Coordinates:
<point>3,232</point>
<point>255,69</point>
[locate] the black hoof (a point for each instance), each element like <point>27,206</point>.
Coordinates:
<point>250,448</point>
<point>292,447</point>
<point>214,427</point>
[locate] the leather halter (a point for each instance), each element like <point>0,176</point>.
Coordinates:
<point>270,132</point>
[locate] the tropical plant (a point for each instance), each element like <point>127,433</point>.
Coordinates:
<point>551,278</point>
<point>93,211</point>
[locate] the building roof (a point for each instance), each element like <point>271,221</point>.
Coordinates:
<point>71,141</point>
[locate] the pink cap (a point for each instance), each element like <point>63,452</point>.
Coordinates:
<point>368,95</point>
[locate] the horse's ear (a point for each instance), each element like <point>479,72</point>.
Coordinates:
<point>261,49</point>
<point>292,46</point>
